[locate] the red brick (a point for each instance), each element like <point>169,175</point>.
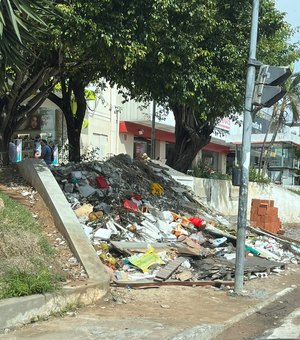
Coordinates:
<point>271,227</point>
<point>268,202</point>
<point>255,202</point>
<point>262,211</point>
<point>273,211</point>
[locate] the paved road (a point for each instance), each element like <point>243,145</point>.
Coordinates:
<point>278,320</point>
<point>289,329</point>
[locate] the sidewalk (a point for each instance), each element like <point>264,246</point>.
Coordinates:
<point>162,313</point>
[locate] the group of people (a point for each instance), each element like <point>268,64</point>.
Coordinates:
<point>46,152</point>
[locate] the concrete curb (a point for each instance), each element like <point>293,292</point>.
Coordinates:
<point>16,312</point>
<point>212,331</point>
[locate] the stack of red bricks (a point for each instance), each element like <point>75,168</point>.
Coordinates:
<point>265,216</point>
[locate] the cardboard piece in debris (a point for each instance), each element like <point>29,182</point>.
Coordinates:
<point>84,210</point>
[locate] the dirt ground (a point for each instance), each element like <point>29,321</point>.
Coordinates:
<point>161,313</point>
<point>13,185</point>
<point>192,304</point>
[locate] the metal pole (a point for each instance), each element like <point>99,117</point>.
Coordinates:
<point>153,131</point>
<point>246,148</point>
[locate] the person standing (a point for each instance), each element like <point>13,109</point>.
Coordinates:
<point>12,152</point>
<point>46,152</point>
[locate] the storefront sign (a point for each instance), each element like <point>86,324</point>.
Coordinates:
<point>224,124</point>
<point>55,155</point>
<point>19,149</point>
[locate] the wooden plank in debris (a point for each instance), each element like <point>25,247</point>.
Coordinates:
<point>169,269</point>
<point>257,263</point>
<point>139,246</point>
<point>155,284</point>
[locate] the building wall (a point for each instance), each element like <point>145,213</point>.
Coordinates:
<point>132,110</point>
<point>126,144</point>
<point>222,163</point>
<point>160,150</point>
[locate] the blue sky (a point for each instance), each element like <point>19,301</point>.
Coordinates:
<point>292,9</point>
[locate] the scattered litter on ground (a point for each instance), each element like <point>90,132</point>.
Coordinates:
<point>150,230</point>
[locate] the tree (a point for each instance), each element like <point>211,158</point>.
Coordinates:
<point>195,64</point>
<point>106,39</point>
<point>28,91</point>
<point>190,57</point>
<point>26,74</point>
<point>72,91</point>
<point>17,19</point>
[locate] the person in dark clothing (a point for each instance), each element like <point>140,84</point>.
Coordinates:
<point>46,152</point>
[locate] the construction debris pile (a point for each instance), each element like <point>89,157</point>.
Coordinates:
<point>147,227</point>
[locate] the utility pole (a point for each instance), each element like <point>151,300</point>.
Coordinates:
<point>246,148</point>
<point>153,130</point>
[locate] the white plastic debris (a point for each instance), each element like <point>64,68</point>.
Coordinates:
<point>218,241</point>
<point>168,216</point>
<point>88,231</point>
<point>111,226</point>
<point>186,264</point>
<point>102,234</point>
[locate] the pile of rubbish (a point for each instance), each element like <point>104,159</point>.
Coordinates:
<point>147,227</point>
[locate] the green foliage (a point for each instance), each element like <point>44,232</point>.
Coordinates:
<point>16,216</point>
<point>203,170</point>
<point>188,53</point>
<point>18,20</point>
<point>255,176</point>
<point>20,282</point>
<point>198,52</point>
<point>27,260</point>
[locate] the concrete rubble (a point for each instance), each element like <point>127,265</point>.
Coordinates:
<point>148,228</point>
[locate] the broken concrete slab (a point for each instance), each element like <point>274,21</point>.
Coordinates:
<point>86,190</point>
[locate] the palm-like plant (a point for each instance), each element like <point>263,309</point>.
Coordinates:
<point>289,104</point>
<point>18,18</point>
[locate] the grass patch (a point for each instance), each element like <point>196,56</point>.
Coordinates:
<point>27,260</point>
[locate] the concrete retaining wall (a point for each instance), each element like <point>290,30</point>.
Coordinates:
<point>36,172</point>
<point>223,196</point>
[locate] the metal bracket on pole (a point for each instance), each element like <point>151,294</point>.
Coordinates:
<point>255,110</point>
<point>254,62</point>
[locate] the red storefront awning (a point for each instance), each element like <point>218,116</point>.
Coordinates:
<point>143,131</point>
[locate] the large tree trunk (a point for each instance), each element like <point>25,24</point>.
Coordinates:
<point>191,133</point>
<point>74,120</point>
<point>5,137</point>
<point>74,144</point>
